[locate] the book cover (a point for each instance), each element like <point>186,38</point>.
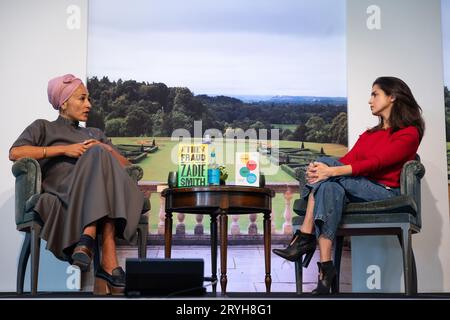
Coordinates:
<point>247,169</point>
<point>192,165</point>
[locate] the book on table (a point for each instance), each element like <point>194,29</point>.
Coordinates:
<point>192,165</point>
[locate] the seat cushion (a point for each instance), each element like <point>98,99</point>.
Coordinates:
<point>143,219</point>
<point>29,214</point>
<point>399,204</point>
<point>147,206</point>
<point>378,217</point>
<point>145,210</point>
<point>369,222</point>
<point>400,209</point>
<point>31,202</point>
<point>27,218</point>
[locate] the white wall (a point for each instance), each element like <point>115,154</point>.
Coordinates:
<point>409,46</point>
<point>37,44</point>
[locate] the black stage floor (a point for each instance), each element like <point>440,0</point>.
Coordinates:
<point>235,295</point>
<point>234,305</point>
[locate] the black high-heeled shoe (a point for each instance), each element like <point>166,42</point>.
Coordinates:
<point>301,244</point>
<point>83,252</point>
<point>106,283</point>
<point>327,280</point>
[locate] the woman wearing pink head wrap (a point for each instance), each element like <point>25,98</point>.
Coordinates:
<point>61,88</point>
<point>86,191</point>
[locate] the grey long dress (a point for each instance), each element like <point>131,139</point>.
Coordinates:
<point>77,192</point>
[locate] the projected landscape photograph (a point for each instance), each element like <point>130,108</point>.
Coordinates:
<point>276,69</point>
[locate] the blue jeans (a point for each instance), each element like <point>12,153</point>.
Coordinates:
<point>331,195</point>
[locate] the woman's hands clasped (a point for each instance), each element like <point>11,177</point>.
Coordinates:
<point>76,150</point>
<point>318,171</point>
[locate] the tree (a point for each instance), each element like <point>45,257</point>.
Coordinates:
<point>446,97</point>
<point>447,111</point>
<point>157,122</point>
<point>182,99</point>
<point>103,102</point>
<point>155,92</point>
<point>258,125</point>
<point>138,122</point>
<point>117,99</point>
<point>163,94</point>
<point>149,92</point>
<point>315,123</point>
<point>317,131</point>
<point>115,127</point>
<point>93,85</point>
<point>300,133</point>
<point>338,129</point>
<point>166,126</point>
<point>287,135</point>
<point>95,120</point>
<point>182,121</point>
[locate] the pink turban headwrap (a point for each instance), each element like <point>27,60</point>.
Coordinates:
<point>61,88</point>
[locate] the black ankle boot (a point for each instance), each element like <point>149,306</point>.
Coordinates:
<point>301,244</point>
<point>327,280</point>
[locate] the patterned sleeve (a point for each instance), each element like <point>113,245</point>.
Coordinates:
<point>33,135</point>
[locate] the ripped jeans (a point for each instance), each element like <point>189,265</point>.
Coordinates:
<point>331,196</point>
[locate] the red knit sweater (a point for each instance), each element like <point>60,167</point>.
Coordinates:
<point>381,155</point>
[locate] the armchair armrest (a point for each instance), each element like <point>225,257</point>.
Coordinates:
<point>28,183</point>
<point>135,172</point>
<point>300,176</point>
<point>412,172</point>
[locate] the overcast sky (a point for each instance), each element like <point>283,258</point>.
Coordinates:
<point>234,47</point>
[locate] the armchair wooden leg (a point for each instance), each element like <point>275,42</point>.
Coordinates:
<point>299,277</point>
<point>22,265</point>
<point>35,252</point>
<point>142,240</point>
<point>213,228</point>
<point>337,258</point>
<point>407,257</point>
<point>414,272</point>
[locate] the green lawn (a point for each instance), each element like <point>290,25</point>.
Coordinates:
<point>157,165</point>
<point>291,127</point>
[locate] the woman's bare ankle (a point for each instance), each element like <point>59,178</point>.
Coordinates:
<point>109,267</point>
<point>306,230</point>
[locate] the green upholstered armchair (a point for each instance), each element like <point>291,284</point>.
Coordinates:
<point>27,191</point>
<point>399,216</point>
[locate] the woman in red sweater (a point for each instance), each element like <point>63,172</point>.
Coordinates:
<point>369,171</point>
